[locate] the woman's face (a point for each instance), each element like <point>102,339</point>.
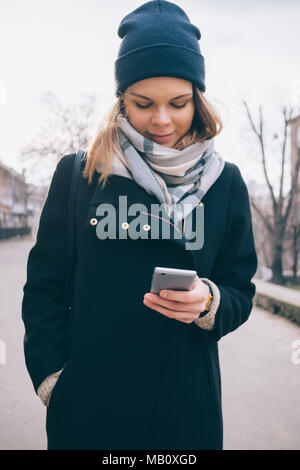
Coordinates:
<point>160,106</point>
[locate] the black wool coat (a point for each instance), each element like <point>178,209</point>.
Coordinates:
<point>133,378</point>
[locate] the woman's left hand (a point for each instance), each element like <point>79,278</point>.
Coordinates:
<point>184,306</point>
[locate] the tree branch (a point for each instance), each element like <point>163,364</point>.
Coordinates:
<point>259,135</point>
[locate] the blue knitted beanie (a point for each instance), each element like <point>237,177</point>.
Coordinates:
<point>158,40</point>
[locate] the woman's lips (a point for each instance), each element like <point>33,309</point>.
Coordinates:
<point>161,138</point>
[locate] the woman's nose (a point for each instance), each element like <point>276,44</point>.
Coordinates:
<point>161,117</point>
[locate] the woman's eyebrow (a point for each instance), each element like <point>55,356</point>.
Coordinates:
<point>146,97</point>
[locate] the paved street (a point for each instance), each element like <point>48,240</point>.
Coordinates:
<point>261,384</point>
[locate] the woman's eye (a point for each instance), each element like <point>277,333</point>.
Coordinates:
<point>176,105</point>
<point>147,106</point>
<point>143,107</point>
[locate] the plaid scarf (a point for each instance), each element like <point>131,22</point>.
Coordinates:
<point>178,178</point>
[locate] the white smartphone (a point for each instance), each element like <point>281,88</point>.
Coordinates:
<point>172,278</point>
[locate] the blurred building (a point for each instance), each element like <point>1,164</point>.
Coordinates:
<point>19,203</point>
<point>295,159</point>
<point>293,235</point>
<point>13,203</point>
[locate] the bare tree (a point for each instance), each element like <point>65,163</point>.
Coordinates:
<point>260,236</point>
<point>281,204</point>
<point>67,127</point>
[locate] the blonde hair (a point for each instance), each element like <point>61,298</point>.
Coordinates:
<point>206,124</point>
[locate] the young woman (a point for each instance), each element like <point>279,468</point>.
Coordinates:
<point>123,370</point>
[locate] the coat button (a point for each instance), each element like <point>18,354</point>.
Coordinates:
<point>125,225</point>
<point>146,227</point>
<point>93,221</point>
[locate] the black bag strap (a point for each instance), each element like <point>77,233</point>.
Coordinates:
<point>80,154</point>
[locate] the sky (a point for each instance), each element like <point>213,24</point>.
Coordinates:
<point>68,47</point>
